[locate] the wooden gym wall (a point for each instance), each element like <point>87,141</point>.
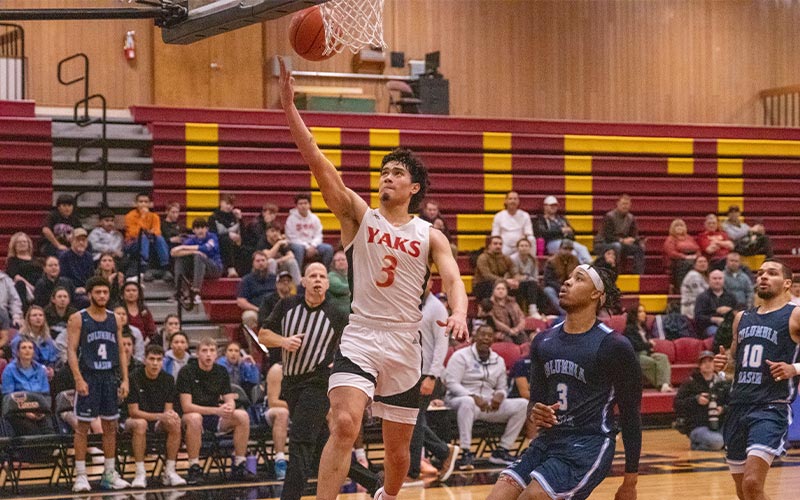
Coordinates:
<point>698,61</point>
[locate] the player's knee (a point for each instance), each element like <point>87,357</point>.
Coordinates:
<point>397,455</point>
<point>342,425</point>
<point>752,486</point>
<point>136,426</point>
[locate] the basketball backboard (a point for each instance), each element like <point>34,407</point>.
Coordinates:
<point>213,17</point>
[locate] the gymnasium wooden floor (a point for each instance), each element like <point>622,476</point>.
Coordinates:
<point>668,471</point>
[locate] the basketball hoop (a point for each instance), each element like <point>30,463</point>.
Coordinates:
<point>353,24</point>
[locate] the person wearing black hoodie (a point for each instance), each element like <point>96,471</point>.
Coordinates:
<point>694,399</point>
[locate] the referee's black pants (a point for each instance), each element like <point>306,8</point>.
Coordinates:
<point>308,408</point>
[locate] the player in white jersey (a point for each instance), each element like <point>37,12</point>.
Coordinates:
<point>380,355</point>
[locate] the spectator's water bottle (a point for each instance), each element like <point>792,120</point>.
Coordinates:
<point>252,463</point>
<point>713,413</point>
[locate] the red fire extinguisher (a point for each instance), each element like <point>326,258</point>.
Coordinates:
<point>130,46</point>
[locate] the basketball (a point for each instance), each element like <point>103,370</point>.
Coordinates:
<point>307,35</point>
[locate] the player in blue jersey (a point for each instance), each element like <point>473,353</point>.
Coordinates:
<point>580,368</point>
<point>93,340</point>
<point>765,348</point>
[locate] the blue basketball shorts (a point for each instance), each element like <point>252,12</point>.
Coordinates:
<point>758,430</point>
<point>102,401</point>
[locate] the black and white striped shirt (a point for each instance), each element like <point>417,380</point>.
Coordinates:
<point>322,326</point>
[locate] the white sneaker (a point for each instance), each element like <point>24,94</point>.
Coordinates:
<point>81,484</point>
<point>667,388</point>
<point>140,481</point>
<point>172,479</point>
<point>197,299</point>
<point>112,481</point>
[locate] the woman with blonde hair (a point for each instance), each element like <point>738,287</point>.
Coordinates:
<point>21,266</point>
<point>680,251</point>
<point>35,329</point>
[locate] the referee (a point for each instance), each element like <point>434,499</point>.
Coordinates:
<point>308,328</point>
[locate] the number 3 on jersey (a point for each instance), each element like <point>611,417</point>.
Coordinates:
<point>561,389</point>
<point>389,266</point>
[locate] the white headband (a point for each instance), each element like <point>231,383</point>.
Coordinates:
<point>595,277</point>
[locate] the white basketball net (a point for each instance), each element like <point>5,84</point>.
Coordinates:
<point>353,24</point>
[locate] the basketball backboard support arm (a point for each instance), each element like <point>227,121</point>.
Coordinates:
<point>164,13</point>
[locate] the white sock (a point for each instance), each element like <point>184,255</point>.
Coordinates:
<point>109,465</point>
<point>170,467</point>
<point>140,469</point>
<point>360,453</point>
<point>238,460</point>
<point>280,456</point>
<point>194,461</point>
<point>80,467</point>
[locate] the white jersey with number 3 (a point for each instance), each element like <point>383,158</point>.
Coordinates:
<point>388,268</point>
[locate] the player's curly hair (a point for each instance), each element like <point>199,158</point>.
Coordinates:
<point>419,173</point>
<point>612,293</point>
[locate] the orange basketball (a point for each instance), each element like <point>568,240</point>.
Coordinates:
<point>307,34</point>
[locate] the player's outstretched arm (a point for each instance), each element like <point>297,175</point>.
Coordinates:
<point>451,282</point>
<point>343,202</point>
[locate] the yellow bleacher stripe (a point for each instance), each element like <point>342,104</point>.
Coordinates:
<point>586,240</point>
<point>653,303</point>
<point>374,180</point>
<point>375,200</point>
<point>474,223</point>
<point>723,202</point>
<point>202,198</point>
<point>493,202</point>
<point>192,215</point>
<point>497,182</point>
<point>753,261</point>
<point>577,164</point>
<point>467,283</point>
<point>327,136</point>
<point>329,221</point>
<point>317,203</point>
<point>497,141</point>
<point>578,184</point>
<point>747,147</point>
<point>202,155</point>
<point>334,156</point>
<point>470,242</point>
<point>623,144</point>
<point>730,187</point>
<point>496,162</point>
<point>375,158</point>
<point>201,132</point>
<point>578,203</point>
<point>202,178</point>
<point>680,166</point>
<point>730,168</point>
<point>581,223</point>
<point>384,138</point>
<point>628,283</point>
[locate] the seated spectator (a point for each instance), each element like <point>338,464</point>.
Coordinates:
<point>35,329</point>
<point>141,221</point>
<point>747,240</point>
<point>198,255</point>
<point>519,379</point>
<point>526,272</point>
<point>10,303</point>
<point>739,281</point>
<point>713,305</point>
<point>509,320</point>
<point>25,374</point>
<point>139,316</point>
<point>714,243</point>
<point>201,386</point>
<point>105,238</point>
<point>680,251</point>
<point>491,266</point>
<point>241,367</point>
<point>304,232</point>
<point>58,226</point>
<point>476,390</point>
<point>172,324</point>
<point>107,269</point>
<point>50,280</point>
<point>694,283</point>
<point>276,247</point>
<point>255,231</point>
<point>137,350</point>
<point>76,264</point>
<point>22,268</point>
<point>277,415</point>
<point>608,260</point>
<point>512,224</point>
<point>57,314</point>
<point>655,365</point>
<point>178,354</point>
<point>439,223</point>
<point>255,285</point>
<point>556,271</point>
<point>339,290</point>
<point>552,228</point>
<point>171,229</point>
<point>700,419</point>
<point>226,223</point>
<point>150,409</point>
<point>794,291</point>
<point>430,213</point>
<point>284,287</point>
<point>619,231</point>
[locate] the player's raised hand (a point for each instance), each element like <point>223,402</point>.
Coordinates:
<point>456,325</point>
<point>543,415</point>
<point>721,359</point>
<point>286,84</point>
<point>780,370</point>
